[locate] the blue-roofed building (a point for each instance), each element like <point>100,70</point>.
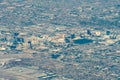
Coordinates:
<point>16,34</point>
<point>108,32</point>
<point>89,32</point>
<point>3,39</point>
<point>20,40</point>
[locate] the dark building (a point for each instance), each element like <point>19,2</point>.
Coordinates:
<point>3,39</point>
<point>82,41</point>
<point>30,44</point>
<point>72,36</point>
<point>107,32</point>
<point>55,56</point>
<point>67,40</point>
<point>20,40</point>
<point>13,47</point>
<point>89,32</point>
<point>16,34</point>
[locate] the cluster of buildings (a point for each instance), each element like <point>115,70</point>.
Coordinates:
<point>22,41</point>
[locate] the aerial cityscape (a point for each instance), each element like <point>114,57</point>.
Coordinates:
<point>59,40</point>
